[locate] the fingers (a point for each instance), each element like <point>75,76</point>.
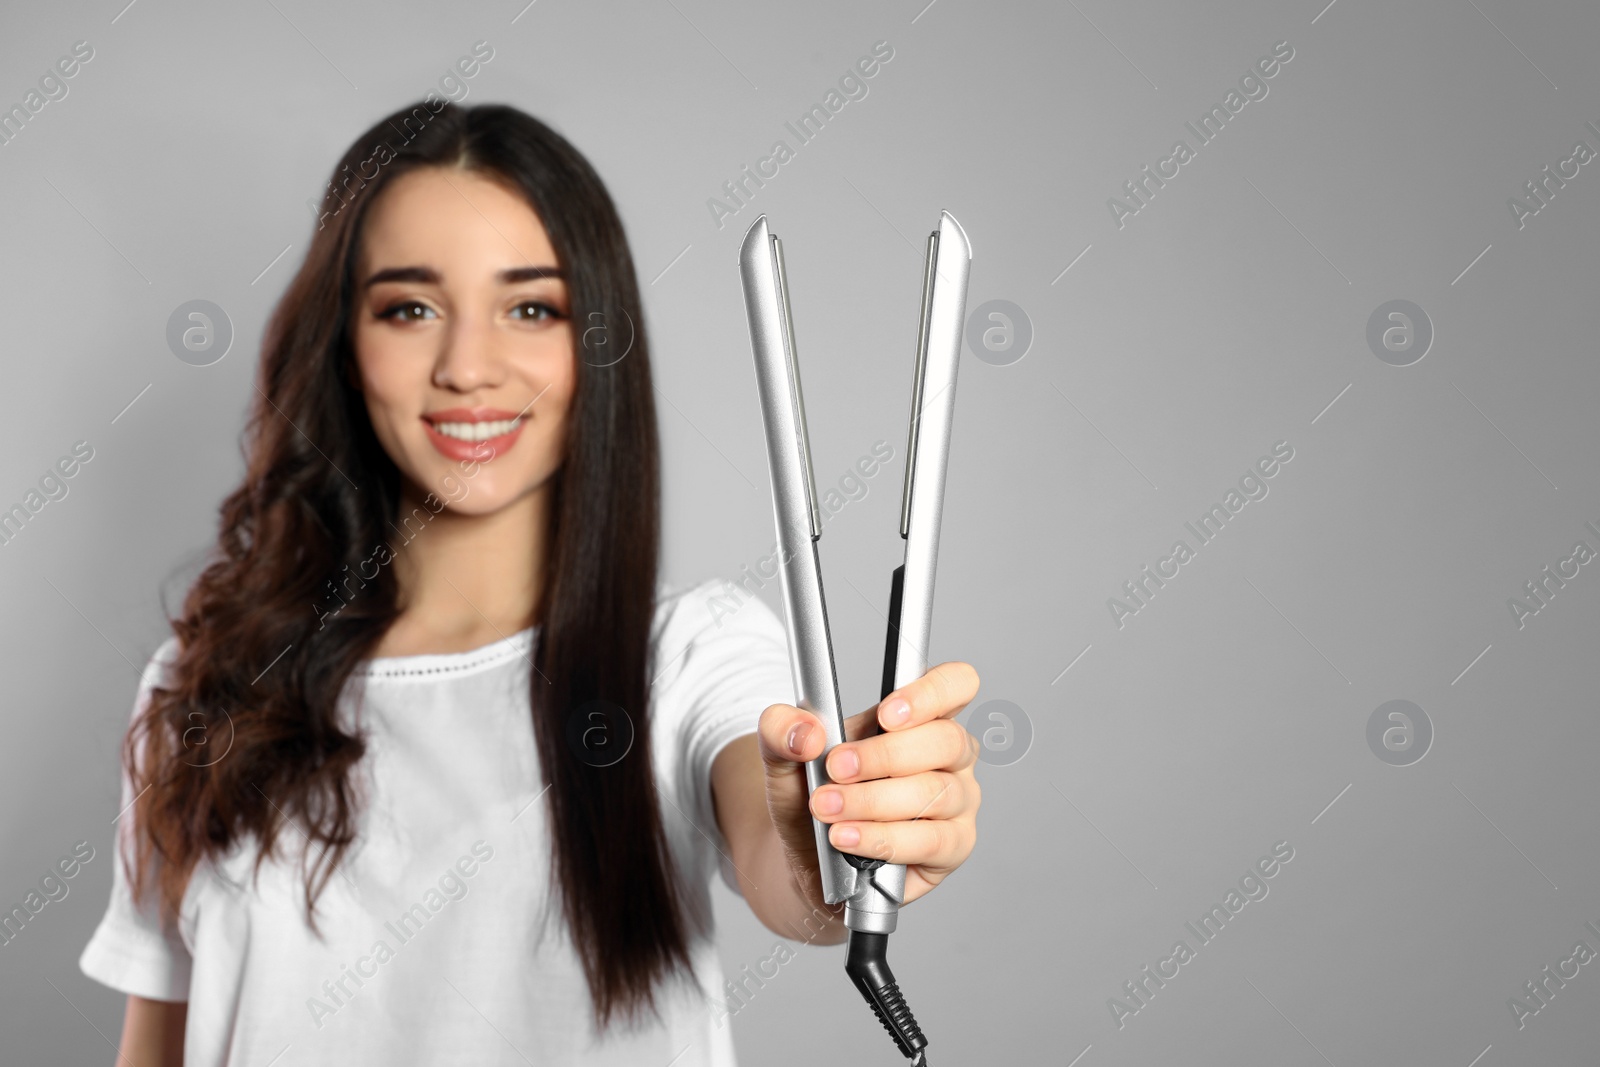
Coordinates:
<point>941,693</point>
<point>788,735</point>
<point>939,745</point>
<point>928,843</point>
<point>934,795</point>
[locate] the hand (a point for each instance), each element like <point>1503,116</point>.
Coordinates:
<point>905,795</point>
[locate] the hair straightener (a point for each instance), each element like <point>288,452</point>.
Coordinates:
<point>871,889</point>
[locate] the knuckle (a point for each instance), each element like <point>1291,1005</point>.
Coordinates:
<point>878,756</point>
<point>864,800</point>
<point>956,739</point>
<point>893,764</point>
<point>970,747</point>
<point>965,839</point>
<point>884,850</point>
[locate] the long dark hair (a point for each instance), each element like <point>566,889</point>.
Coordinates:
<point>256,664</point>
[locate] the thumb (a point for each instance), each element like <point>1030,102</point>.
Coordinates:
<point>787,736</point>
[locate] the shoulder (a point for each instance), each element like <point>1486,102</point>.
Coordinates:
<point>712,606</point>
<point>703,624</point>
<point>157,674</point>
<point>157,670</point>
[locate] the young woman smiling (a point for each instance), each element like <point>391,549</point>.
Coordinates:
<point>508,692</point>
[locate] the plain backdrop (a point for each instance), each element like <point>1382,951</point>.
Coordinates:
<point>1162,752</point>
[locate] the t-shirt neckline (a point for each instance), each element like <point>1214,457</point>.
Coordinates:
<point>436,663</point>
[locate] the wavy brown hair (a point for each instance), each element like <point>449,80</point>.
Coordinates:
<point>257,663</point>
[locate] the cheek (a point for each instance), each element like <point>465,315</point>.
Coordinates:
<point>554,424</point>
<point>391,380</point>
<point>382,412</point>
<point>557,377</point>
<point>393,408</point>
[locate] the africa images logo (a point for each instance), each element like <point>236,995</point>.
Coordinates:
<point>1142,588</point>
<point>1252,86</point>
<point>852,86</point>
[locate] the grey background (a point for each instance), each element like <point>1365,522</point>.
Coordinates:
<point>1224,317</point>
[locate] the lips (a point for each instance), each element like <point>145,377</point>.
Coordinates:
<point>480,433</point>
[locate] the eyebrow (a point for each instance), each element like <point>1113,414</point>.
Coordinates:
<point>509,276</point>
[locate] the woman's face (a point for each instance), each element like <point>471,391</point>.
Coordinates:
<point>462,337</point>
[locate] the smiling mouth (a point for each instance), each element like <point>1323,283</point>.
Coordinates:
<point>478,434</point>
<point>477,431</point>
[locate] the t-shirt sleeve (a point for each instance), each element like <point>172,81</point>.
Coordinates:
<point>131,951</point>
<point>730,661</point>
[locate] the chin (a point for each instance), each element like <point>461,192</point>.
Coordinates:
<point>478,503</point>
<point>489,488</point>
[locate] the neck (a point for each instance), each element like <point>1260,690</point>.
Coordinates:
<point>466,580</point>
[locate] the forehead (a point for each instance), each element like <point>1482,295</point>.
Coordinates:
<point>460,222</point>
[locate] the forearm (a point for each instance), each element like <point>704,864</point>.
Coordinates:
<point>765,869</point>
<point>778,899</point>
<point>152,1033</point>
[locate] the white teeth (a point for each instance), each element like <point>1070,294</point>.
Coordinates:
<point>477,431</point>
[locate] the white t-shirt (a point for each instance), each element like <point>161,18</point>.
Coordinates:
<point>432,950</point>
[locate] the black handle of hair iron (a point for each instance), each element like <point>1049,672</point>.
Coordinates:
<point>872,889</point>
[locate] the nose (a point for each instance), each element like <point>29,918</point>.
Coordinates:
<point>469,360</point>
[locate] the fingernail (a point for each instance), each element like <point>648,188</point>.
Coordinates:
<point>846,836</point>
<point>828,802</point>
<point>798,733</point>
<point>846,764</point>
<point>896,712</point>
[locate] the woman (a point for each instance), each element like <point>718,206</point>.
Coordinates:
<point>429,695</point>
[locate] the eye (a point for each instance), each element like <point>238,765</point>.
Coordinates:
<point>536,311</point>
<point>401,312</point>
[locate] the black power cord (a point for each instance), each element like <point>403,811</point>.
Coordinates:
<point>867,964</point>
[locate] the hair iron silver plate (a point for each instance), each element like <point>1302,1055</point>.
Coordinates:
<point>871,889</point>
